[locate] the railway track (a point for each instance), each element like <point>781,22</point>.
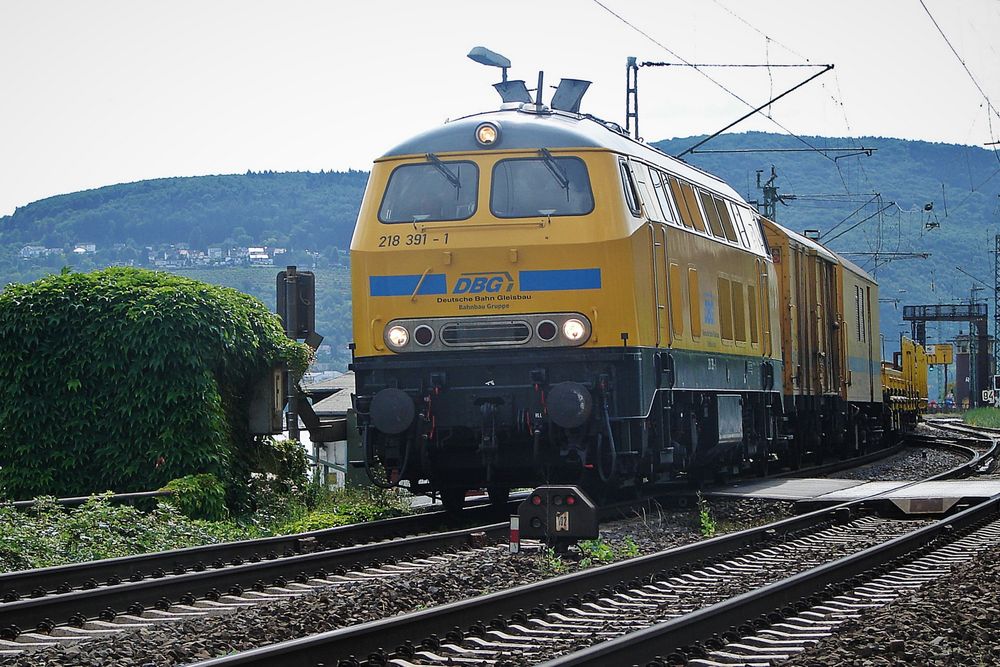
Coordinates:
<point>534,623</point>
<point>73,602</point>
<point>57,613</point>
<point>984,440</point>
<point>779,586</point>
<point>781,619</point>
<point>598,603</point>
<point>84,576</point>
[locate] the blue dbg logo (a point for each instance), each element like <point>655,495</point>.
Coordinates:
<point>476,283</point>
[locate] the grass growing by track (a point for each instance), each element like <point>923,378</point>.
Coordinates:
<point>989,417</point>
<point>50,534</point>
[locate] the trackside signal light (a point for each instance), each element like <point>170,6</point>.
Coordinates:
<point>557,500</point>
<point>571,500</point>
<point>536,500</point>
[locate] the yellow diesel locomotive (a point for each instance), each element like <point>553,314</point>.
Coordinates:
<point>539,298</point>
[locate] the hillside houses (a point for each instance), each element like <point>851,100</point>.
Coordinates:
<point>171,256</point>
<point>181,256</point>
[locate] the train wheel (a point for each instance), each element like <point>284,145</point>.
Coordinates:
<point>761,464</point>
<point>499,495</point>
<point>453,500</point>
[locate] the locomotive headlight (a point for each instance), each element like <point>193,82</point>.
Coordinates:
<point>487,134</point>
<point>397,336</point>
<point>574,329</point>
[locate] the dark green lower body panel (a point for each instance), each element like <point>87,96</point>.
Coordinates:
<point>613,416</point>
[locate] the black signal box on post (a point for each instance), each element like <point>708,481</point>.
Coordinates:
<point>296,305</point>
<point>558,515</point>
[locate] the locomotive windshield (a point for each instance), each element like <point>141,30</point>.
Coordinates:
<point>433,191</point>
<point>547,185</point>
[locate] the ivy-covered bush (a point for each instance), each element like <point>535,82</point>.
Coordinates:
<point>198,496</point>
<point>49,534</point>
<point>123,379</point>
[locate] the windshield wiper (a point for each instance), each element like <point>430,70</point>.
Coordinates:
<point>445,171</point>
<point>555,168</point>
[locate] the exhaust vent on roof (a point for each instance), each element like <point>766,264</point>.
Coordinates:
<point>569,94</point>
<point>513,91</point>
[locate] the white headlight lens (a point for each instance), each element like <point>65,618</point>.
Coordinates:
<point>574,329</point>
<point>397,336</point>
<point>487,134</point>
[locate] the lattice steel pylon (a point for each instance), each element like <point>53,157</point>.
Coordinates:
<point>996,302</point>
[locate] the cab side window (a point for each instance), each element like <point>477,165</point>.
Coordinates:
<point>631,195</point>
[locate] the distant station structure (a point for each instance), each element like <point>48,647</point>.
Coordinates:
<point>975,363</point>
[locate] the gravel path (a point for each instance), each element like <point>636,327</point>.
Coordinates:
<point>954,621</point>
<point>909,464</point>
<point>467,575</point>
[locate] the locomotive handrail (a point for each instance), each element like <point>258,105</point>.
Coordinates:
<point>480,225</point>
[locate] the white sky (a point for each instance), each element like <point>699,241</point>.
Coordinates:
<point>101,92</point>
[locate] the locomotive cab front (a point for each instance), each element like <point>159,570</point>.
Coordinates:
<point>539,298</point>
<point>491,269</point>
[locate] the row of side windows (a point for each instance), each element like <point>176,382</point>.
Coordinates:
<point>739,317</point>
<point>672,200</point>
<point>737,309</point>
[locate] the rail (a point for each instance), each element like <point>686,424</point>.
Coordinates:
<point>775,601</point>
<point>87,578</point>
<point>371,637</point>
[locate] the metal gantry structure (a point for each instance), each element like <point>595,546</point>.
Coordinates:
<point>996,301</point>
<point>976,314</point>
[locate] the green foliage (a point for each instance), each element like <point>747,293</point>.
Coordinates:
<point>325,508</point>
<point>551,562</point>
<point>316,520</point>
<point>371,504</point>
<point>50,534</point>
<point>706,522</point>
<point>989,417</point>
<point>124,379</point>
<point>198,497</point>
<point>333,299</point>
<point>595,552</point>
<point>600,551</point>
<point>591,552</point>
<point>628,548</point>
<point>282,463</point>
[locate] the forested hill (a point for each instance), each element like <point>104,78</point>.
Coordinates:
<point>292,210</point>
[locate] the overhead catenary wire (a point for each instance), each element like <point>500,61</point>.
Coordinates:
<point>960,60</point>
<point>990,108</point>
<point>650,63</point>
<point>859,223</point>
<point>852,214</point>
<point>758,30</point>
<point>826,69</point>
<point>837,99</point>
<point>701,71</point>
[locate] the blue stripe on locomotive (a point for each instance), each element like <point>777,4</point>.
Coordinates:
<point>560,279</point>
<point>434,283</point>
